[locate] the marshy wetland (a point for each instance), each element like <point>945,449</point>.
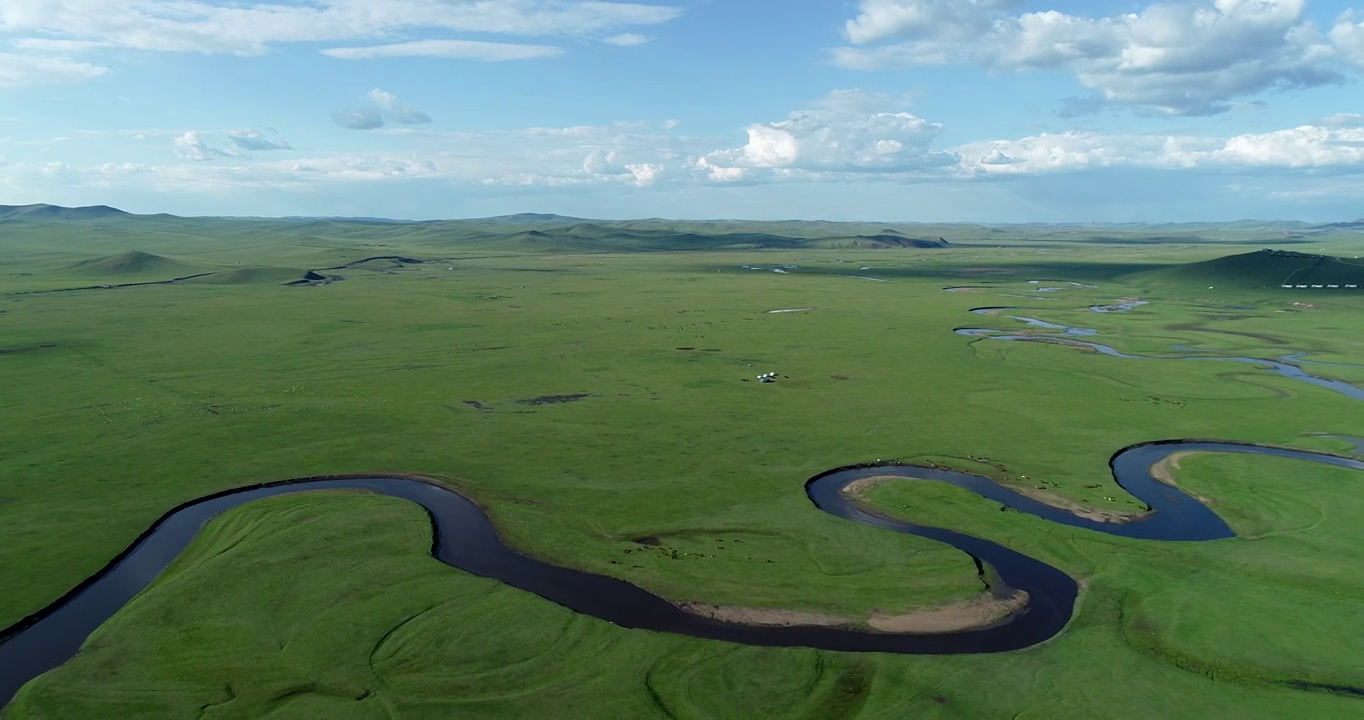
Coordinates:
<point>549,385</point>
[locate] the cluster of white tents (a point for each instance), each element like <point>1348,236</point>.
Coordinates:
<point>767,377</point>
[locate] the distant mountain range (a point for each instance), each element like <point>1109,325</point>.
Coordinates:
<point>547,233</point>
<point>42,212</point>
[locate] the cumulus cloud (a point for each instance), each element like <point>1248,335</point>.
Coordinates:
<point>848,136</point>
<point>996,157</point>
<point>191,146</point>
<point>1307,147</point>
<point>887,19</point>
<point>248,139</point>
<point>466,49</point>
<point>395,111</point>
<point>1348,35</point>
<point>720,173</point>
<point>847,131</point>
<point>645,174</point>
<point>385,108</point>
<point>602,164</point>
<point>1191,57</point>
<point>621,155</point>
<point>366,119</point>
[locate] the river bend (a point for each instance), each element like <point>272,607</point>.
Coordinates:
<point>466,539</point>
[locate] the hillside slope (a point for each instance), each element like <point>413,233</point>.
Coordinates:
<point>47,213</point>
<point>134,263</point>
<point>1263,268</point>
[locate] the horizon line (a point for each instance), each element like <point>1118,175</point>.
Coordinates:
<point>555,216</point>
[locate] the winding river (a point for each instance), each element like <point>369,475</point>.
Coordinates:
<point>466,539</point>
<point>1065,335</point>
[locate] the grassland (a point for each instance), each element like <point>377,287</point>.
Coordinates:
<point>121,403</point>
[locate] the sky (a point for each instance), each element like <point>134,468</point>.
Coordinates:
<point>996,111</point>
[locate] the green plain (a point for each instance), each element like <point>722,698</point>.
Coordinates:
<point>121,403</point>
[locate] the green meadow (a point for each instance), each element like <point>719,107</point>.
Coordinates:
<point>591,384</point>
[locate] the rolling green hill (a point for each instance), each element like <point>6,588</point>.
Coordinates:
<point>134,263</point>
<point>1264,268</point>
<point>42,212</point>
<point>882,241</point>
<point>49,228</point>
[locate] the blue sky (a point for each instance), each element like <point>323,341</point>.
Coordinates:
<point>931,110</point>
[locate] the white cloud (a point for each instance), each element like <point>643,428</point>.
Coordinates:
<point>1348,35</point>
<point>1308,147</point>
<point>627,39</point>
<point>466,49</point>
<point>849,136</point>
<point>601,162</point>
<point>16,70</point>
<point>770,146</point>
<point>364,119</point>
<point>43,143</point>
<point>1351,189</point>
<point>645,174</point>
<point>888,19</point>
<point>52,45</point>
<point>609,165</point>
<point>136,133</point>
<point>395,111</point>
<point>621,154</point>
<point>386,108</point>
<point>1189,57</point>
<point>720,173</point>
<point>997,157</point>
<point>1066,151</point>
<point>848,131</point>
<point>191,146</point>
<point>1344,120</point>
<point>253,27</point>
<point>248,139</point>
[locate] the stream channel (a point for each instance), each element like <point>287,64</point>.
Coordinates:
<point>466,539</point>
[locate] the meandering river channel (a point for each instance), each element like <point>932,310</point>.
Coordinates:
<point>1065,335</point>
<point>466,539</point>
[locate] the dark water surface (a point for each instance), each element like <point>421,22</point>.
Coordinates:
<point>466,539</point>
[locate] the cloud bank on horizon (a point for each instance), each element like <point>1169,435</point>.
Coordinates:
<point>990,110</point>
